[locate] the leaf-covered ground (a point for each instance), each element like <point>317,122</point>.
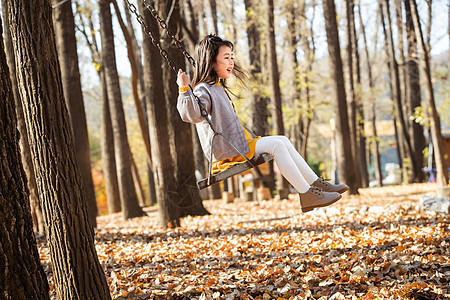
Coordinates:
<point>377,245</point>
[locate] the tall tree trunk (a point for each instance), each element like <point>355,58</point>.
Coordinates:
<point>128,197</point>
<point>360,118</point>
<point>416,171</point>
<point>137,182</point>
<point>107,138</point>
<point>400,145</point>
<point>353,110</point>
<point>77,271</point>
<point>158,124</point>
<point>64,24</point>
<point>396,92</point>
<point>134,82</point>
<point>401,61</point>
<point>293,40</point>
<point>346,166</point>
<point>108,156</point>
<point>442,173</point>
<point>259,113</point>
<point>36,209</point>
<point>143,98</point>
<point>308,45</point>
<point>21,273</point>
<point>413,94</point>
<point>188,197</point>
<point>372,101</point>
<point>277,113</point>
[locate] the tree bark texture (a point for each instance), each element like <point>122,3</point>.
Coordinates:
<point>21,273</point>
<point>64,24</point>
<point>442,173</point>
<point>158,122</point>
<point>345,162</point>
<point>128,197</point>
<point>77,271</point>
<point>36,209</point>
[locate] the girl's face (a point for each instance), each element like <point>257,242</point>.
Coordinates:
<point>224,63</point>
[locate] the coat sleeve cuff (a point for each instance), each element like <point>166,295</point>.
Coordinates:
<point>183,89</point>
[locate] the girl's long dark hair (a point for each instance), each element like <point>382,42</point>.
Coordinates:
<point>207,51</point>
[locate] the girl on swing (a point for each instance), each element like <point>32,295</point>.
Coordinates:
<point>215,63</point>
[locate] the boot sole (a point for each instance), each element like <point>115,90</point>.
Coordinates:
<point>310,208</point>
<point>344,190</point>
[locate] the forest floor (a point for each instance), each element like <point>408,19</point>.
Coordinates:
<point>377,245</point>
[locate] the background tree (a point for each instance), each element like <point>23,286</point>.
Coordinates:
<point>345,162</point>
<point>107,138</point>
<point>142,95</point>
<point>277,113</point>
<point>360,115</point>
<point>128,197</point>
<point>76,269</point>
<point>259,113</point>
<point>21,273</point>
<point>308,45</point>
<point>64,24</point>
<point>158,123</point>
<point>413,93</point>
<point>372,102</point>
<point>396,92</point>
<point>352,101</point>
<point>442,173</point>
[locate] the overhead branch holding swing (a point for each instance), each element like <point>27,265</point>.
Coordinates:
<point>211,179</point>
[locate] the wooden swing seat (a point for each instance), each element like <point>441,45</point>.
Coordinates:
<point>239,168</point>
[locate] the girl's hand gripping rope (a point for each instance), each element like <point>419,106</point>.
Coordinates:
<point>183,79</point>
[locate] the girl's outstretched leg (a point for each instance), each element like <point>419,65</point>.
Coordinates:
<point>308,173</point>
<point>310,196</point>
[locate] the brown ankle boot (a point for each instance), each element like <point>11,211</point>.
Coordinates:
<point>315,197</point>
<point>329,187</point>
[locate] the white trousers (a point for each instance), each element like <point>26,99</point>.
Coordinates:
<point>290,163</point>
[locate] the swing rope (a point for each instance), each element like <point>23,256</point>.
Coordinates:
<point>164,26</point>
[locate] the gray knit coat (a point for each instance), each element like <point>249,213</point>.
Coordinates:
<point>222,115</point>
